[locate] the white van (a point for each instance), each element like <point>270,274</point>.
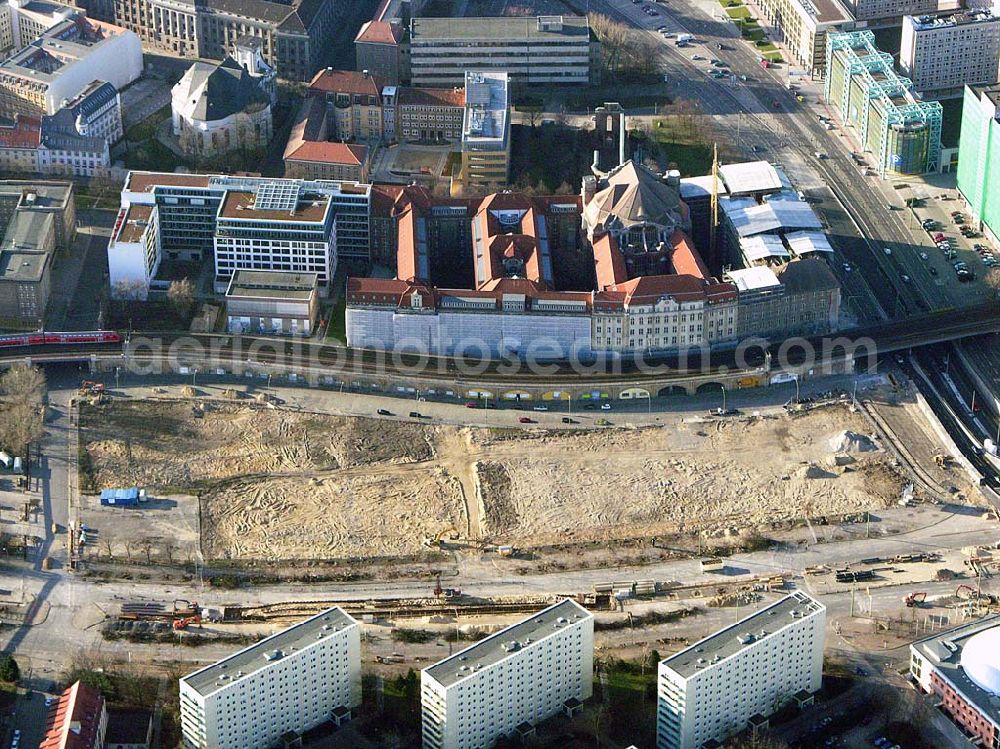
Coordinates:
<point>5,459</point>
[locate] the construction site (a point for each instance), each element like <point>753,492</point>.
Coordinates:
<point>255,482</point>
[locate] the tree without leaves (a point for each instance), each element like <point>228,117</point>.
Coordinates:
<point>146,545</point>
<point>181,295</point>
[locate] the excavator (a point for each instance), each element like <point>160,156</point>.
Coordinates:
<point>89,387</point>
<point>436,542</point>
<point>184,622</point>
<point>915,599</point>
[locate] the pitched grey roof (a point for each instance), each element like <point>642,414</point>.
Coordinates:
<point>219,91</point>
<point>635,195</point>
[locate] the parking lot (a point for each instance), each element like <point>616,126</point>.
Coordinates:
<point>27,723</point>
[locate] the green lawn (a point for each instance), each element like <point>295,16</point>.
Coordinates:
<point>739,12</point>
<point>337,329</point>
<point>692,158</point>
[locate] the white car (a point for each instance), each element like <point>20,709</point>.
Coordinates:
<point>540,408</point>
<point>886,250</point>
<point>847,267</point>
<point>605,406</point>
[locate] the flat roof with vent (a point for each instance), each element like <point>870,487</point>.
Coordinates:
<point>731,640</point>
<point>271,650</point>
<point>507,641</point>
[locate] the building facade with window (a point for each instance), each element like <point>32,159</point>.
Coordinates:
<point>277,688</point>
<point>741,674</point>
<point>294,35</point>
<point>507,683</point>
<point>542,49</point>
<point>961,668</point>
<point>253,223</point>
<point>943,53</point>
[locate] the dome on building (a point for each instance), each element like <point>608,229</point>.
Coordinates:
<point>981,660</point>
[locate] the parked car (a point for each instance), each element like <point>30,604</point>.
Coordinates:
<point>887,251</point>
<point>605,406</point>
<point>540,408</point>
<point>416,415</point>
<point>568,420</point>
<point>526,420</point>
<point>932,270</point>
<point>847,267</point>
<point>384,412</point>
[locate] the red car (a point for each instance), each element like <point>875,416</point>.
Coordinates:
<point>471,404</point>
<point>526,420</point>
<point>940,238</point>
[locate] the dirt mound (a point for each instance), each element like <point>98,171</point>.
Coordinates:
<point>851,442</point>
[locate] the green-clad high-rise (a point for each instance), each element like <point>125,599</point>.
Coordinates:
<point>979,157</point>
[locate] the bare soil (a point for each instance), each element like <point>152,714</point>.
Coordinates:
<point>277,484</point>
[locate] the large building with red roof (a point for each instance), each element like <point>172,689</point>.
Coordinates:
<point>611,270</point>
<point>77,719</point>
<point>517,293</point>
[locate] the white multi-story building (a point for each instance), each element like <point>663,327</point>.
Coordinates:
<point>275,228</point>
<point>714,688</point>
<point>23,21</point>
<point>486,129</point>
<point>510,681</point>
<point>251,223</point>
<point>546,49</point>
<point>63,62</point>
<point>941,54</point>
<point>803,25</point>
<point>289,682</point>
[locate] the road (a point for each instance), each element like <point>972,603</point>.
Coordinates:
<point>855,208</point>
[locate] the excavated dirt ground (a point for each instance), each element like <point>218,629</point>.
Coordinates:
<point>286,485</point>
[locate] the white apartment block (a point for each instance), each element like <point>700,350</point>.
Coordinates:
<point>941,54</point>
<point>713,688</point>
<point>289,682</point>
<point>889,10</point>
<point>510,681</point>
<point>803,25</point>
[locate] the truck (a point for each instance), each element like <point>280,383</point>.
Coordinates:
<point>683,39</point>
<point>129,497</point>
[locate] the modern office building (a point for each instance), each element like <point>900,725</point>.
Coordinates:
<point>979,158</point>
<point>802,26</point>
<point>65,61</point>
<point>543,49</point>
<point>251,223</point>
<point>486,129</point>
<point>943,53</point>
<point>741,674</point>
<point>892,122</point>
<point>961,668</point>
<point>277,688</point>
<point>294,35</point>
<point>509,682</point>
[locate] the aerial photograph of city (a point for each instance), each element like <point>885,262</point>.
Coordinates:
<point>482,374</point>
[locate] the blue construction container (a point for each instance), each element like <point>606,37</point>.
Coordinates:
<point>120,497</point>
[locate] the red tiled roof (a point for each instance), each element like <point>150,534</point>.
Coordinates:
<point>685,257</point>
<point>432,97</point>
<point>73,722</point>
<point>26,132</point>
<point>329,153</point>
<point>609,264</point>
<point>379,32</point>
<point>330,81</point>
<point>648,289</point>
<point>407,252</point>
<point>383,198</point>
